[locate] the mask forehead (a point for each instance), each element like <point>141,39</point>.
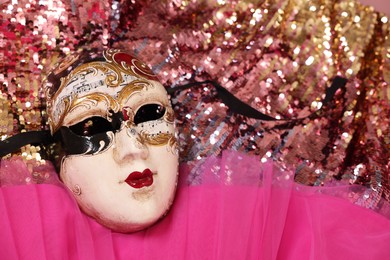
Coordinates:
<point>95,84</point>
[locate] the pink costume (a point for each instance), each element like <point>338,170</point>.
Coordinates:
<point>251,211</point>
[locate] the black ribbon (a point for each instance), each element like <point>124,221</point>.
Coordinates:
<point>241,108</point>
<point>235,105</point>
<point>15,142</point>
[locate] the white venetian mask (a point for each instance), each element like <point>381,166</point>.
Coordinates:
<point>117,127</point>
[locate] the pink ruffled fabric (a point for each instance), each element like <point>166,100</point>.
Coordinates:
<point>15,171</point>
<point>241,209</point>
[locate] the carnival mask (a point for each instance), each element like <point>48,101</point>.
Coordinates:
<point>117,128</point>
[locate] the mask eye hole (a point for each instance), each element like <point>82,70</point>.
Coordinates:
<point>91,126</point>
<point>149,112</point>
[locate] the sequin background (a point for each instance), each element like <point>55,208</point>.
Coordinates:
<point>278,56</point>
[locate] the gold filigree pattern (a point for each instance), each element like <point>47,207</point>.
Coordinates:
<point>169,114</point>
<point>113,75</point>
<point>173,144</point>
<point>55,125</point>
<point>87,101</point>
<point>157,139</point>
<point>109,54</point>
<point>95,98</point>
<point>70,59</point>
<point>128,64</point>
<point>112,70</point>
<point>130,122</point>
<point>131,88</point>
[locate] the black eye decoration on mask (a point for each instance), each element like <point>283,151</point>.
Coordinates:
<point>76,144</point>
<point>90,136</point>
<point>149,112</point>
<point>92,126</point>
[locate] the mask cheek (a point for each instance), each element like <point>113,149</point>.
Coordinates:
<point>74,174</point>
<point>68,176</point>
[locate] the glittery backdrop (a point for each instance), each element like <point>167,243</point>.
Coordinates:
<point>278,56</point>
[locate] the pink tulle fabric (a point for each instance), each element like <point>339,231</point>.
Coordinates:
<point>239,209</point>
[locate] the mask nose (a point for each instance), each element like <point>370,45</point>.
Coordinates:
<point>127,148</point>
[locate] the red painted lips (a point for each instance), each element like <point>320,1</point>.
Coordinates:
<point>140,179</point>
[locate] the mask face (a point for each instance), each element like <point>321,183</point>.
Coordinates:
<point>116,124</point>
